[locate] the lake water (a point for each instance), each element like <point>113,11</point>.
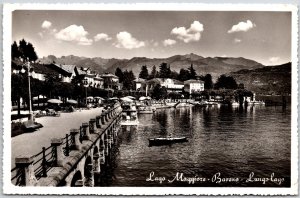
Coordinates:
<point>225,146</point>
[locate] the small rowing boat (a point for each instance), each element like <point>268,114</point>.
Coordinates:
<point>167,140</point>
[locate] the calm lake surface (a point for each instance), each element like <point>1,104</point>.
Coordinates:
<point>223,142</point>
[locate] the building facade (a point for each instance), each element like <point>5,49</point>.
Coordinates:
<point>191,86</point>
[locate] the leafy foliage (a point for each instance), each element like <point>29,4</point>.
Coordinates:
<point>25,51</point>
<point>120,75</point>
<point>144,72</point>
<point>208,83</point>
<point>153,73</point>
<point>226,82</point>
<point>128,82</point>
<point>184,75</point>
<point>193,73</point>
<point>164,70</point>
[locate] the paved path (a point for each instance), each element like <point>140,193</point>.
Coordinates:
<point>29,144</point>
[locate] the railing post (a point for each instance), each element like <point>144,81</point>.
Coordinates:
<point>25,166</point>
<point>67,148</point>
<point>102,150</point>
<point>57,150</point>
<point>109,114</point>
<point>105,117</point>
<point>85,130</point>
<point>98,120</point>
<point>75,142</point>
<point>89,181</point>
<point>97,168</point>
<point>92,127</point>
<point>44,163</point>
<point>102,119</point>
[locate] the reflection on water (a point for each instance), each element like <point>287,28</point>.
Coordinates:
<point>232,141</point>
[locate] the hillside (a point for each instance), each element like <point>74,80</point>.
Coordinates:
<point>203,65</point>
<point>266,80</point>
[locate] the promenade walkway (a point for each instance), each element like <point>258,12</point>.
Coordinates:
<point>54,127</point>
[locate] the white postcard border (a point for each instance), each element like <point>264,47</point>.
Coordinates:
<point>8,188</point>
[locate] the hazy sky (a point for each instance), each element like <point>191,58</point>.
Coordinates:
<point>261,36</point>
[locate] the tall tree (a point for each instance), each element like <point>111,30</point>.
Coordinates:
<point>164,70</point>
<point>153,73</point>
<point>192,71</point>
<point>128,82</point>
<point>208,84</point>
<point>120,75</point>
<point>27,51</point>
<point>144,72</point>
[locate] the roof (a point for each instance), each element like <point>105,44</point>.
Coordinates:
<point>109,75</point>
<point>162,80</point>
<point>98,78</point>
<point>67,68</point>
<point>43,69</point>
<point>193,81</point>
<point>80,72</point>
<point>139,80</point>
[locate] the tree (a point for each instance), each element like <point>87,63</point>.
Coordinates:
<point>27,52</point>
<point>120,74</point>
<point>208,84</point>
<point>183,75</point>
<point>144,72</point>
<point>174,75</point>
<point>153,73</point>
<point>50,80</point>
<point>128,82</point>
<point>15,54</point>
<point>164,70</point>
<point>18,88</point>
<point>192,71</point>
<point>227,82</point>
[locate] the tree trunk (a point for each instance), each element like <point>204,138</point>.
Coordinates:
<point>19,107</point>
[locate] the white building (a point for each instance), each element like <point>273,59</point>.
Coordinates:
<point>170,84</point>
<point>193,86</point>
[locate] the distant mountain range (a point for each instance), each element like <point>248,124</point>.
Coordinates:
<point>255,76</point>
<point>266,80</point>
<point>203,65</point>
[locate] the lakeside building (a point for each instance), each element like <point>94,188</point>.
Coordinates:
<point>170,84</point>
<point>139,83</point>
<point>66,73</point>
<point>110,81</point>
<point>191,86</point>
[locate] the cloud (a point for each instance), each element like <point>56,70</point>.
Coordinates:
<point>169,42</point>
<point>188,35</point>
<point>46,24</point>
<point>236,40</point>
<point>274,59</point>
<point>102,36</point>
<point>74,33</point>
<point>242,27</point>
<point>127,41</point>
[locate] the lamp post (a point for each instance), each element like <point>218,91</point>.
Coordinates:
<point>85,83</point>
<point>29,94</point>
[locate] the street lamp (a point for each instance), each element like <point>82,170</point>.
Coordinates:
<point>85,84</point>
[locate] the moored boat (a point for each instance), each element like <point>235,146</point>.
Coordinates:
<point>129,114</point>
<point>166,141</point>
<point>144,109</point>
